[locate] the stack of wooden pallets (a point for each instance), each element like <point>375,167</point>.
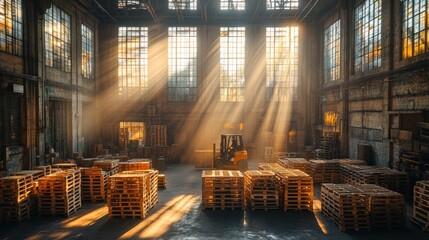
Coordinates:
<point>352,162</point>
<point>162,181</point>
<point>85,162</point>
<point>152,186</point>
<point>386,207</point>
<point>141,160</point>
<point>36,174</point>
<point>108,165</point>
<point>65,166</point>
<point>46,169</point>
<point>384,177</point>
<point>59,193</point>
<point>222,189</point>
<point>133,166</point>
<point>297,163</point>
<point>421,205</point>
<point>270,167</point>
<point>128,195</point>
<point>15,202</point>
<point>325,171</point>
<point>346,206</point>
<point>297,189</point>
<point>261,190</point>
<point>94,184</point>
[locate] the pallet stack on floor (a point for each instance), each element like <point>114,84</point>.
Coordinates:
<point>421,205</point>
<point>35,174</point>
<point>386,207</point>
<point>297,163</point>
<point>152,186</point>
<point>345,205</point>
<point>329,146</point>
<point>384,177</point>
<point>108,165</point>
<point>162,181</point>
<point>94,184</point>
<point>46,169</point>
<point>133,166</point>
<point>65,166</point>
<point>325,171</point>
<point>15,202</point>
<point>60,193</point>
<point>261,190</point>
<point>351,162</point>
<point>222,189</point>
<point>128,195</point>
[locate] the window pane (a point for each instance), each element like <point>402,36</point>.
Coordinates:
<point>232,4</point>
<point>415,28</point>
<point>131,4</point>
<point>11,30</point>
<point>182,4</point>
<point>87,52</point>
<point>282,4</point>
<point>332,57</point>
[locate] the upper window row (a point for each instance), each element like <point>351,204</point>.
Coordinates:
<point>224,4</point>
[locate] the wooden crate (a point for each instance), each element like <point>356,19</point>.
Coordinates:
<point>296,163</point>
<point>421,205</point>
<point>128,195</point>
<point>162,181</point>
<point>346,206</point>
<point>93,184</point>
<point>261,190</point>
<point>15,198</point>
<point>60,193</point>
<point>222,189</point>
<point>326,171</point>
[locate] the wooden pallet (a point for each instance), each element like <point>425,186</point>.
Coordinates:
<point>421,205</point>
<point>132,166</point>
<point>86,162</point>
<point>108,165</point>
<point>153,184</point>
<point>128,195</point>
<point>60,193</point>
<point>347,161</point>
<point>326,171</point>
<point>65,166</point>
<point>46,169</point>
<point>222,189</point>
<point>261,190</point>
<point>15,198</point>
<point>94,184</point>
<point>35,174</point>
<point>162,181</point>
<point>297,163</point>
<point>346,206</point>
<point>140,160</point>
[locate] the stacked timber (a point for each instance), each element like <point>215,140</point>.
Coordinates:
<point>261,191</point>
<point>346,206</point>
<point>128,195</point>
<point>297,163</point>
<point>162,181</point>
<point>94,184</point>
<point>59,193</point>
<point>15,201</point>
<point>152,186</point>
<point>386,207</point>
<point>352,162</point>
<point>384,177</point>
<point>222,189</point>
<point>325,171</point>
<point>421,205</point>
<point>108,165</point>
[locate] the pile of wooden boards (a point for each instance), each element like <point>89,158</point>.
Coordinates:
<point>162,181</point>
<point>363,207</point>
<point>108,165</point>
<point>421,205</point>
<point>59,193</point>
<point>326,171</point>
<point>384,177</point>
<point>222,189</point>
<point>135,164</point>
<point>296,189</point>
<point>261,190</point>
<point>346,206</point>
<point>94,184</point>
<point>297,163</point>
<point>15,202</point>
<point>128,196</point>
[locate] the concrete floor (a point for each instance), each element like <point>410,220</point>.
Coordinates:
<point>179,216</point>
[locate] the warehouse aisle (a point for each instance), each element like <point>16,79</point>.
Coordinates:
<point>179,215</point>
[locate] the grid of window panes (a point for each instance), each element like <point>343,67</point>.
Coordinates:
<point>282,4</point>
<point>182,63</point>
<point>368,35</point>
<point>232,64</point>
<point>182,4</point>
<point>332,57</point>
<point>232,4</point>
<point>133,62</point>
<point>282,63</point>
<point>11,26</point>
<point>131,4</point>
<point>58,39</point>
<point>87,52</point>
<point>415,32</point>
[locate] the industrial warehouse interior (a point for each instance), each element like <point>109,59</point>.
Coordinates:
<point>214,119</point>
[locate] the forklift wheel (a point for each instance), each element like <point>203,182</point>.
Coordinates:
<point>242,166</point>
<point>219,164</point>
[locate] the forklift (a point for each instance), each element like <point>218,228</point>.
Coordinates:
<point>232,155</point>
